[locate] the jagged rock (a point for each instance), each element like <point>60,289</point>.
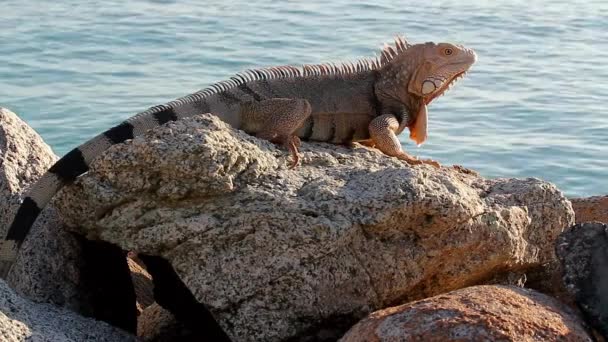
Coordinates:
<point>24,157</point>
<point>590,209</point>
<point>583,252</point>
<point>479,313</point>
<point>277,253</point>
<point>47,269</point>
<point>22,320</point>
<point>53,265</point>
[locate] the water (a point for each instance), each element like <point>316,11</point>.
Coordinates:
<point>533,105</point>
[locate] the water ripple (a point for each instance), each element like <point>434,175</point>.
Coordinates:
<point>534,105</point>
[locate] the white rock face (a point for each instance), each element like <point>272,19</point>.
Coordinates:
<point>47,268</point>
<point>277,253</point>
<point>24,157</point>
<point>22,320</point>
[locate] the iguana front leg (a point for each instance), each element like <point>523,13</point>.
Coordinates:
<point>277,120</point>
<point>382,131</point>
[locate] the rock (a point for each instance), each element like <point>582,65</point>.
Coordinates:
<point>53,265</point>
<point>23,320</point>
<point>173,296</point>
<point>479,313</point>
<point>24,157</point>
<point>47,269</point>
<point>277,253</point>
<point>583,252</point>
<point>591,209</point>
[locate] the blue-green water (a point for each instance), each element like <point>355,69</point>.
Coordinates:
<point>533,105</point>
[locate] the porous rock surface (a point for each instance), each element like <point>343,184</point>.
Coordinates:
<point>589,209</point>
<point>22,320</point>
<point>478,313</point>
<point>280,253</point>
<point>24,157</point>
<point>583,252</point>
<point>47,268</point>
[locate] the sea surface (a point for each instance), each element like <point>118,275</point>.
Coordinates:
<point>534,105</point>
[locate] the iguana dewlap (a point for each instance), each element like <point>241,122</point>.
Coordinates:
<point>371,100</point>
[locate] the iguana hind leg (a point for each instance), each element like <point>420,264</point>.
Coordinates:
<point>277,120</point>
<point>382,131</point>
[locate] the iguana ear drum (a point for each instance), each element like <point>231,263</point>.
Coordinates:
<point>428,87</point>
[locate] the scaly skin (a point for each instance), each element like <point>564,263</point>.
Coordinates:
<point>371,101</point>
<point>371,106</point>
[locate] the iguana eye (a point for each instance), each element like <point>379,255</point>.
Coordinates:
<point>448,51</point>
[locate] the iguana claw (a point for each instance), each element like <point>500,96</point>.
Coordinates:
<point>415,161</point>
<point>292,144</point>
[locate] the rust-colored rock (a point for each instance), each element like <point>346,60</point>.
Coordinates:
<point>590,209</point>
<point>479,313</point>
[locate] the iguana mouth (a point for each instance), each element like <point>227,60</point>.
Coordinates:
<point>444,87</point>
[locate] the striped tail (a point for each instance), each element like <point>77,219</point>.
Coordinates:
<point>74,164</point>
<point>222,99</point>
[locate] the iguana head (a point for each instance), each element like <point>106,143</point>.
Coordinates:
<point>438,67</point>
<point>417,74</point>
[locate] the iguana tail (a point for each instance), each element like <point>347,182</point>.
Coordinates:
<point>222,99</point>
<point>76,162</point>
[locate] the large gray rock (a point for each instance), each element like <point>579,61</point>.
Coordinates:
<point>24,157</point>
<point>277,253</point>
<point>23,320</point>
<point>47,268</point>
<point>583,252</point>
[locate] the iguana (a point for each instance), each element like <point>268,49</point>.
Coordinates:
<point>370,101</point>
